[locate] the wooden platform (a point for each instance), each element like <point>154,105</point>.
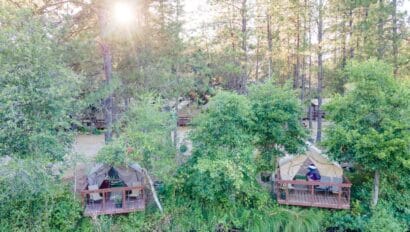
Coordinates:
<point>318,199</point>
<point>94,209</point>
<point>106,205</point>
<point>313,194</point>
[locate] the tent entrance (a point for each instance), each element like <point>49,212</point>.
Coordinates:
<point>114,179</point>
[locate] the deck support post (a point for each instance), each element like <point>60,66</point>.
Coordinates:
<point>103,200</point>
<point>123,199</point>
<point>83,199</point>
<point>286,193</point>
<point>339,197</point>
<point>312,193</point>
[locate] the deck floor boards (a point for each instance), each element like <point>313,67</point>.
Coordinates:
<point>93,209</point>
<point>318,199</point>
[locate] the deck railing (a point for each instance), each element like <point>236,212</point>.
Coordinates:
<point>109,204</point>
<point>313,193</point>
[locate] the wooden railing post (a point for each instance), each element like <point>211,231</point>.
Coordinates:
<point>312,194</point>
<point>339,197</point>
<point>103,196</point>
<point>83,199</point>
<point>123,199</point>
<point>286,193</point>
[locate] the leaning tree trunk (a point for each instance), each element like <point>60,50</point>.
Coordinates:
<point>154,192</point>
<point>376,183</point>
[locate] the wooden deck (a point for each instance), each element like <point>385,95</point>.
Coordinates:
<point>107,204</point>
<point>94,209</point>
<point>312,194</point>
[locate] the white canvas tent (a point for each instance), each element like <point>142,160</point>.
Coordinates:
<point>289,166</point>
<point>130,174</point>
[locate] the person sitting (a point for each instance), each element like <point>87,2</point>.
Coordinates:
<point>313,174</point>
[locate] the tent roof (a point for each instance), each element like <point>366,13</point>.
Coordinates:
<point>130,174</point>
<point>289,166</point>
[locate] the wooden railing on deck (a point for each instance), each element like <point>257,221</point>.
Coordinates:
<point>309,195</point>
<point>106,192</point>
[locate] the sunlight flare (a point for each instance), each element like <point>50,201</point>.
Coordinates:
<point>123,13</point>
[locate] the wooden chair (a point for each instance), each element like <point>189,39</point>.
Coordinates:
<point>94,197</point>
<point>135,193</point>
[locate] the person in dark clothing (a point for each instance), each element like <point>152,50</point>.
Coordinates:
<point>313,174</point>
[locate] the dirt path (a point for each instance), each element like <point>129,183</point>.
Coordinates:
<point>85,148</point>
<point>88,145</point>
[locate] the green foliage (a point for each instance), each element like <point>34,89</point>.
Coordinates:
<point>383,220</point>
<point>37,92</point>
<point>32,200</point>
<point>277,126</point>
<point>371,121</point>
<point>145,138</point>
<point>226,124</point>
<point>370,130</point>
<point>217,189</point>
<point>144,222</point>
<point>344,221</point>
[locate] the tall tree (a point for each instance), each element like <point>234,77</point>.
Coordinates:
<point>107,64</point>
<point>320,71</point>
<point>371,123</point>
<point>38,92</point>
<point>395,37</point>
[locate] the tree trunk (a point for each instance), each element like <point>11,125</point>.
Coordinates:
<point>395,38</point>
<point>244,76</point>
<point>107,58</point>
<point>376,183</point>
<point>154,193</point>
<point>320,73</point>
<point>176,128</point>
<point>297,66</point>
<point>310,116</point>
<point>269,32</point>
<point>310,69</point>
<point>257,59</point>
<point>351,32</point>
<point>380,26</point>
<point>344,42</point>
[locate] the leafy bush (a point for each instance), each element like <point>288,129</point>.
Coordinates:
<point>383,220</point>
<point>37,92</point>
<point>216,190</point>
<point>276,123</point>
<point>145,138</point>
<point>31,200</point>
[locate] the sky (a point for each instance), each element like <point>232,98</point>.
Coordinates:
<point>197,12</point>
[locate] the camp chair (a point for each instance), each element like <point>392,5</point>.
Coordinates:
<point>337,180</point>
<point>324,188</point>
<point>134,193</point>
<point>94,197</point>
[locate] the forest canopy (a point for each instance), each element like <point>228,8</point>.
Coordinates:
<point>206,97</point>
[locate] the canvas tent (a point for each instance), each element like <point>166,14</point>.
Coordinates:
<point>130,174</point>
<point>290,166</point>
